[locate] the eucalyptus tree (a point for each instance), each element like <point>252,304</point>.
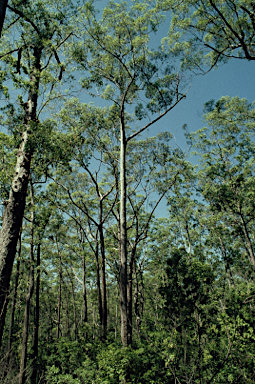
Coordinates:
<point>226,176</point>
<point>41,28</point>
<point>120,67</point>
<point>212,31</point>
<point>88,193</point>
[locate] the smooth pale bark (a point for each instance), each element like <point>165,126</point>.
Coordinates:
<point>104,298</point>
<point>3,5</point>
<point>37,316</point>
<point>123,238</point>
<point>15,205</point>
<point>23,358</point>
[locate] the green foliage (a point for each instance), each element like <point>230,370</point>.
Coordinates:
<point>208,32</point>
<point>54,377</point>
<point>115,364</point>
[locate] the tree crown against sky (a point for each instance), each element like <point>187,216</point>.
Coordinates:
<point>188,279</point>
<point>212,31</point>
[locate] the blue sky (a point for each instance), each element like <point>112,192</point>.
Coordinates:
<point>236,78</point>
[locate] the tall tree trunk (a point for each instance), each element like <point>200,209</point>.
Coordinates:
<point>67,331</point>
<point>59,293</point>
<point>98,286</point>
<point>84,291</point>
<point>116,314</point>
<point>104,298</point>
<point>37,316</point>
<point>138,301</point>
<point>15,205</point>
<point>130,295</point>
<point>123,237</point>
<point>74,309</point>
<point>23,358</point>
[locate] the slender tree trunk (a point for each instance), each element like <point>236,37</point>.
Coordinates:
<point>138,301</point>
<point>15,205</point>
<point>116,314</point>
<point>84,291</point>
<point>59,294</point>
<point>98,286</point>
<point>23,358</point>
<point>67,331</point>
<point>123,238</point>
<point>74,309</point>
<point>104,298</point>
<point>37,315</point>
<point>50,324</point>
<point>130,295</point>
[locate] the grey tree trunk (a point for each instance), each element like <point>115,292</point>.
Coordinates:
<point>15,205</point>
<point>104,298</point>
<point>123,238</point>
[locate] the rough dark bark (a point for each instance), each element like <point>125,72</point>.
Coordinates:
<point>37,315</point>
<point>15,205</point>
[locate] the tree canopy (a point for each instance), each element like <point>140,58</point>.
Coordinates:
<point>95,285</point>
